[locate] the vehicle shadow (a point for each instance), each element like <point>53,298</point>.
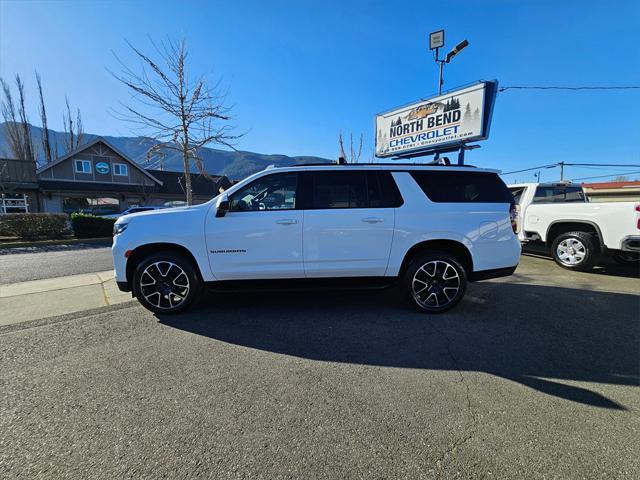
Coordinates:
<point>538,336</point>
<point>605,265</point>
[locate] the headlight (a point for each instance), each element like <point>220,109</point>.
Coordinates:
<point>118,228</point>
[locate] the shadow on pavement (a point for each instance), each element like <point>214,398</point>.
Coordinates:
<point>524,333</point>
<point>605,266</point>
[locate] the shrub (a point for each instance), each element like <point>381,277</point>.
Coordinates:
<point>31,226</point>
<point>91,226</point>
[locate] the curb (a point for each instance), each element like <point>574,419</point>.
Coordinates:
<point>46,243</point>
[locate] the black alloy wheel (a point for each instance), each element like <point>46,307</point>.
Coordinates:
<point>435,282</point>
<point>166,282</point>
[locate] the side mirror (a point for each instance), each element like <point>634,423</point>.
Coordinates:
<point>222,205</point>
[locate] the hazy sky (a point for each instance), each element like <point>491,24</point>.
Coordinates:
<point>298,72</point>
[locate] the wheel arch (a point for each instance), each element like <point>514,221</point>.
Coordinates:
<point>453,247</point>
<point>558,227</point>
<point>143,251</point>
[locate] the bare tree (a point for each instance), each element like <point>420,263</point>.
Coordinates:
<point>16,121</point>
<point>46,139</point>
<point>354,153</point>
<point>181,113</point>
<point>73,132</point>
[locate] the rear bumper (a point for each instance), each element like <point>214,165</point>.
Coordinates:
<point>493,273</point>
<point>630,244</point>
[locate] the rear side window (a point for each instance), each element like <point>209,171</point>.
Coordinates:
<point>351,189</point>
<point>558,194</point>
<point>462,187</point>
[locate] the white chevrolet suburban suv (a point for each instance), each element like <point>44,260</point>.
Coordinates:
<point>430,229</point>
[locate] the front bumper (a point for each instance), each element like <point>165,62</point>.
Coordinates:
<point>630,244</point>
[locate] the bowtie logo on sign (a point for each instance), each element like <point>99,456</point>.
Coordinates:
<point>444,121</point>
<point>102,168</point>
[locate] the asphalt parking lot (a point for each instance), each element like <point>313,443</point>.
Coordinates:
<point>533,376</point>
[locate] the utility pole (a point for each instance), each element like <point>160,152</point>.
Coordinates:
<point>561,171</point>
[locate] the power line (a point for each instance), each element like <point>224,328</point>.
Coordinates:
<point>604,176</point>
<point>555,165</point>
<point>539,87</point>
<point>552,165</point>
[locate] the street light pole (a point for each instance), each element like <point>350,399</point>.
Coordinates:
<point>436,41</point>
<point>440,82</point>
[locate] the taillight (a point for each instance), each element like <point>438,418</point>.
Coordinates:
<point>513,216</point>
<point>638,222</point>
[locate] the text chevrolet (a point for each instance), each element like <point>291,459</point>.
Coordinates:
<point>428,229</point>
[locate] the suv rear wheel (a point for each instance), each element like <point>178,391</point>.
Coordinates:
<point>166,282</point>
<point>434,282</point>
<point>575,251</point>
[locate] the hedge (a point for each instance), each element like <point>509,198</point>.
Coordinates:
<point>30,226</point>
<point>91,226</point>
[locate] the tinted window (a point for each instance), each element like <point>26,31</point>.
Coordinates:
<point>350,189</point>
<point>390,195</point>
<point>339,190</point>
<point>463,187</point>
<point>558,194</point>
<point>272,192</point>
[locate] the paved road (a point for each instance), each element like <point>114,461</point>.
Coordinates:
<point>54,261</point>
<point>534,378</point>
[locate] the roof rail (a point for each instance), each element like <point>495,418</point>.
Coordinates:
<point>395,164</point>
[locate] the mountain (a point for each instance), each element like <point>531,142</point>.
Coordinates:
<point>234,164</point>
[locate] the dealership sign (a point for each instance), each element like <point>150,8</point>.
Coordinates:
<point>437,123</point>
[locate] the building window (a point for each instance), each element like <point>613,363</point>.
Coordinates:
<point>120,169</point>
<point>83,166</point>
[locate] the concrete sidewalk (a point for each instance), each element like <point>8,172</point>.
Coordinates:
<point>33,300</point>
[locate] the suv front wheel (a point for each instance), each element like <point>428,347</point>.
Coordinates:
<point>435,282</point>
<point>166,282</point>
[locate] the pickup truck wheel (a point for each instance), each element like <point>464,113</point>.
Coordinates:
<point>434,282</point>
<point>575,251</point>
<point>166,282</point>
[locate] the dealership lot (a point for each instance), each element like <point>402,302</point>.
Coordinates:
<point>535,375</point>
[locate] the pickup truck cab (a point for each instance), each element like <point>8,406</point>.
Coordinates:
<point>576,231</point>
<point>429,229</point>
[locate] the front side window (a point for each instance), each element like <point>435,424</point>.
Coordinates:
<point>83,166</point>
<point>120,169</point>
<point>272,192</point>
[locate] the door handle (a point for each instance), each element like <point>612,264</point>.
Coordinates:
<point>373,219</point>
<point>287,221</point>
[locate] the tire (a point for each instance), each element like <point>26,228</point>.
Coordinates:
<point>166,282</point>
<point>575,251</point>
<point>627,258</point>
<point>430,279</point>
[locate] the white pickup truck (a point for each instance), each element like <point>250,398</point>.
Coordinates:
<point>576,231</point>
